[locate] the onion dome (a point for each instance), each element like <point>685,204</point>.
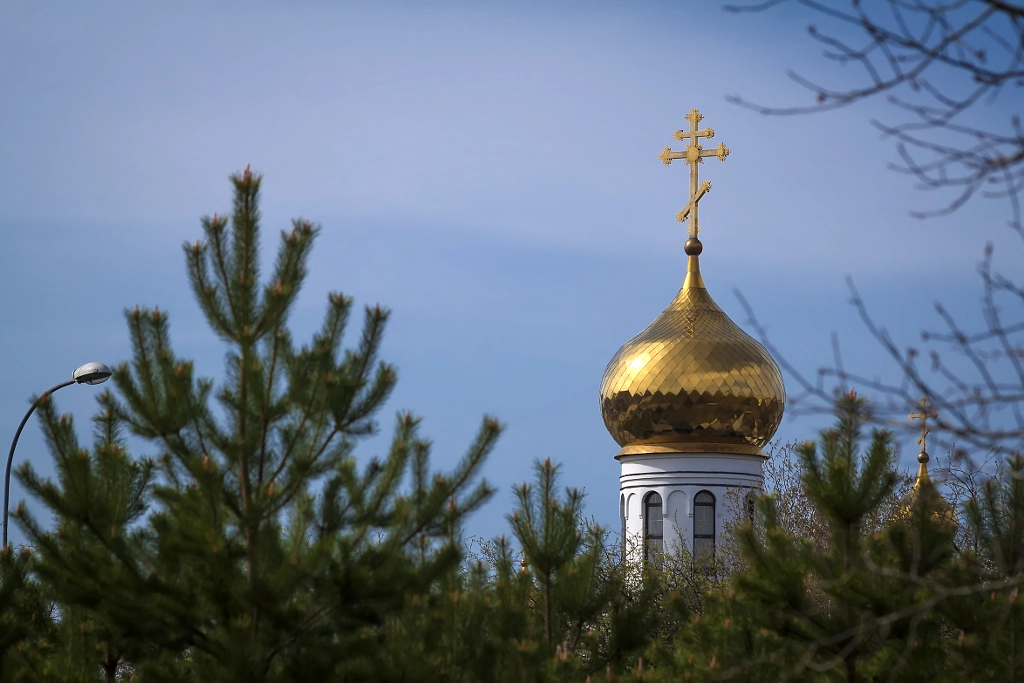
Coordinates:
<point>692,381</point>
<point>940,510</point>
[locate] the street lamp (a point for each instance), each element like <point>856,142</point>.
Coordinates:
<point>90,373</point>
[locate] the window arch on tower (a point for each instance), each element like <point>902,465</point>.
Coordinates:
<point>654,524</point>
<point>622,519</point>
<point>703,526</point>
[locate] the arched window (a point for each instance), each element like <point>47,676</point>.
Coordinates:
<point>703,525</point>
<point>654,539</point>
<point>622,518</point>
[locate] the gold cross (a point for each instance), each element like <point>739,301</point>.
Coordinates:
<point>923,416</point>
<point>694,154</point>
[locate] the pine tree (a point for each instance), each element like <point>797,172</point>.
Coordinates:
<point>251,546</point>
<point>984,612</point>
<point>555,610</point>
<point>583,611</point>
<point>857,603</point>
<point>27,630</point>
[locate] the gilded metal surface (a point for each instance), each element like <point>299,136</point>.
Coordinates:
<point>731,447</point>
<point>943,513</point>
<point>693,154</point>
<point>925,412</point>
<point>693,381</point>
<point>692,377</point>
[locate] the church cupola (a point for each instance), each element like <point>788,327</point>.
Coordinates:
<point>935,505</point>
<point>692,381</point>
<point>691,400</point>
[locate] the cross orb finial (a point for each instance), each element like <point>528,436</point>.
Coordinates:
<point>693,154</point>
<point>925,411</point>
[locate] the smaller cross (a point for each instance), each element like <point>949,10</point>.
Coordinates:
<point>925,412</point>
<point>693,154</point>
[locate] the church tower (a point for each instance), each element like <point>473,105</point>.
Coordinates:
<point>692,399</point>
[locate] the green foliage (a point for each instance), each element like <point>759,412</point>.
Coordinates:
<point>825,598</point>
<point>554,612</point>
<point>251,545</point>
<point>26,628</point>
<point>881,594</point>
<point>984,609</point>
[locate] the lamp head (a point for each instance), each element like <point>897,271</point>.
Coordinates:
<point>92,373</point>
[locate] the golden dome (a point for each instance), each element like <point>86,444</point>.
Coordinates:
<point>941,511</point>
<point>693,381</point>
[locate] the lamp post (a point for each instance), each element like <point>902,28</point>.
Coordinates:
<point>90,373</point>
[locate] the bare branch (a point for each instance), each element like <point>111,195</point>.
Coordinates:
<point>935,61</point>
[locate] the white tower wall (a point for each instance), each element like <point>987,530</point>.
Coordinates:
<point>678,478</point>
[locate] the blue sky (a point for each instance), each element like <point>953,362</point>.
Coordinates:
<point>488,171</point>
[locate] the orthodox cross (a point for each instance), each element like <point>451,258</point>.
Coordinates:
<point>694,154</point>
<point>925,412</point>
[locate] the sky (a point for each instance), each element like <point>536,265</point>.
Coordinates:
<point>487,171</point>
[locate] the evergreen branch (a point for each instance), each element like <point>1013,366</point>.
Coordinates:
<point>328,337</point>
<point>467,468</point>
<point>245,262</point>
<point>301,629</point>
<point>196,258</point>
<point>215,237</point>
<point>289,273</point>
<point>265,418</point>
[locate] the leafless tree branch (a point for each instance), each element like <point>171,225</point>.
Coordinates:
<point>934,60</point>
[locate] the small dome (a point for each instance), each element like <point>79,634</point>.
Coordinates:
<point>692,381</point>
<point>942,512</point>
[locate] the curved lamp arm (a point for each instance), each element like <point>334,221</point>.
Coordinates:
<point>90,373</point>
<point>14,444</point>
